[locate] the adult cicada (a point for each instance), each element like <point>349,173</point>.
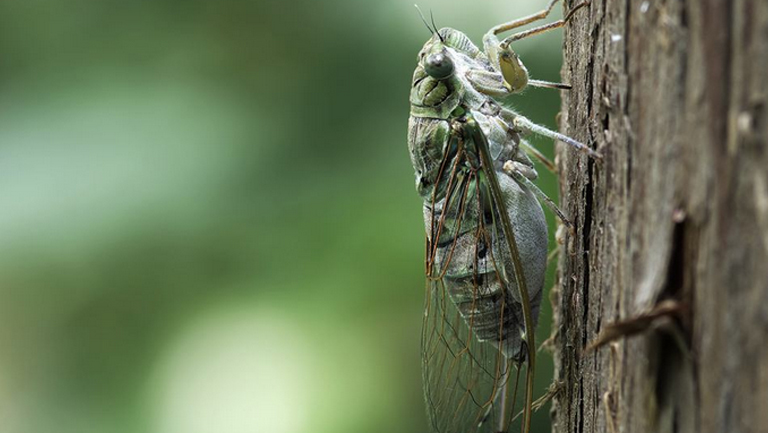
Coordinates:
<point>486,248</point>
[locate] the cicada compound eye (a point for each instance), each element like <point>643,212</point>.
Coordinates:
<point>439,66</point>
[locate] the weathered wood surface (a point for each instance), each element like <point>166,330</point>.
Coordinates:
<point>674,94</point>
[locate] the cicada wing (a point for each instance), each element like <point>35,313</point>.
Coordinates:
<point>470,333</point>
<point>474,329</point>
<point>528,280</point>
<point>463,377</point>
<point>470,385</point>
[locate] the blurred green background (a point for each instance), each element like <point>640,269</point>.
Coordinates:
<point>209,221</point>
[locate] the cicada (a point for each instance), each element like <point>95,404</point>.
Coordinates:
<point>486,234</point>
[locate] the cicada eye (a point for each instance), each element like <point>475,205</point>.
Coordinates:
<point>438,66</point>
<point>512,69</point>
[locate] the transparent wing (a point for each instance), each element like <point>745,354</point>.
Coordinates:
<point>472,335</point>
<point>465,380</point>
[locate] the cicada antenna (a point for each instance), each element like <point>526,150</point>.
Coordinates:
<point>432,18</point>
<point>424,20</point>
<point>432,29</point>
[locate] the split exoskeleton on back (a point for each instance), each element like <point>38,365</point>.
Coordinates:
<point>486,232</point>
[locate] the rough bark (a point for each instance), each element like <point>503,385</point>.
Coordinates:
<point>673,93</point>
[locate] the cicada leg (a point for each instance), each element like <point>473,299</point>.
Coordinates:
<point>546,162</point>
<point>525,20</point>
<point>523,124</point>
<point>539,29</point>
<point>515,74</point>
<point>516,170</point>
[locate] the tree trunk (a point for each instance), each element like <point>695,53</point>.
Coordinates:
<point>671,237</point>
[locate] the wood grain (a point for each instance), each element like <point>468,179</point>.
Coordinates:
<point>673,94</point>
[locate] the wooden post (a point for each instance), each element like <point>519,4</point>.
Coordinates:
<point>674,94</point>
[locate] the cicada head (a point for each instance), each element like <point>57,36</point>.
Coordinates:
<point>435,59</point>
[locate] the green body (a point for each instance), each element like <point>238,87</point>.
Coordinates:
<point>481,225</point>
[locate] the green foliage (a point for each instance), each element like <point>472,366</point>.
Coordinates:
<point>209,219</point>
